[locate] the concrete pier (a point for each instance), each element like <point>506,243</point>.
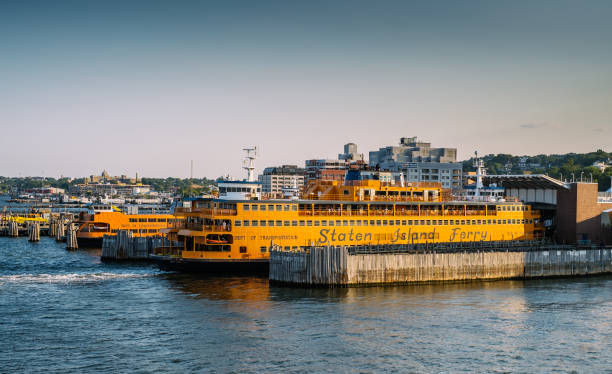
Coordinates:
<point>124,246</point>
<point>341,266</point>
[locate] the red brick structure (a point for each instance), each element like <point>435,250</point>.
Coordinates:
<point>579,215</point>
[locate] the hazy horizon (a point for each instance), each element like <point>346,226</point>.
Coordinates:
<point>146,86</point>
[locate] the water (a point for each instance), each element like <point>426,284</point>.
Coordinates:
<point>66,312</point>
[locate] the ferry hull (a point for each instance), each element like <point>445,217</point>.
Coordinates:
<point>212,266</point>
<point>89,242</point>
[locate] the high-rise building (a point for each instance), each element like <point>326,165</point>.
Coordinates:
<point>335,169</point>
<point>274,179</point>
<point>420,162</point>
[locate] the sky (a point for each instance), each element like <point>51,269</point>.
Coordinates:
<point>147,86</point>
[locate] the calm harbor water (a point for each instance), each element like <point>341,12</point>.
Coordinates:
<point>68,312</point>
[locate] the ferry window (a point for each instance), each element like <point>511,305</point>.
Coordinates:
<point>262,223</point>
<point>279,208</point>
<point>308,223</point>
<point>404,222</point>
<point>439,222</point>
<point>245,207</point>
<point>503,221</point>
<point>294,207</point>
<point>513,208</point>
<point>237,223</point>
<point>294,248</point>
<point>428,222</point>
<point>142,220</point>
<point>397,222</point>
<point>352,222</point>
<point>445,222</point>
<point>246,223</point>
<point>378,222</point>
<point>287,248</point>
<point>287,223</point>
<point>115,230</point>
<point>463,222</point>
<point>338,223</point>
<point>286,208</point>
<point>372,222</point>
<point>488,222</point>
<point>514,222</point>
<point>253,207</point>
<point>151,219</point>
<point>365,222</point>
<point>384,222</point>
<point>422,222</point>
<point>345,223</point>
<point>499,208</point>
<point>262,207</point>
<point>346,192</point>
<point>242,249</point>
<point>316,223</point>
<point>530,221</point>
<point>499,221</point>
<point>254,223</point>
<point>270,207</point>
<point>358,223</point>
<point>302,223</point>
<point>161,220</point>
<point>434,222</point>
<point>409,222</point>
<point>152,230</point>
<point>270,223</point>
<point>323,223</point>
<point>133,220</point>
<point>293,223</point>
<point>263,249</point>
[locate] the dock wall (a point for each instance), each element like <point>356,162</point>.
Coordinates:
<point>335,266</point>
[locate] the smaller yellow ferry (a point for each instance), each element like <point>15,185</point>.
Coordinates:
<point>100,220</point>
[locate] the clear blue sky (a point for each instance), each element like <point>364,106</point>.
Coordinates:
<point>146,86</point>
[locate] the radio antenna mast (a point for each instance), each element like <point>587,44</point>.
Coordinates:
<point>249,159</point>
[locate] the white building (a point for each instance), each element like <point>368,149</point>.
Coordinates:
<point>275,179</point>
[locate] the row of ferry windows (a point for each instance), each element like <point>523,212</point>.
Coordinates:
<point>170,220</point>
<point>512,208</point>
<point>269,207</point>
<point>384,222</point>
<point>286,208</point>
<point>136,231</point>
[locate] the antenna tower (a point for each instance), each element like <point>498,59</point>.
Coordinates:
<point>249,159</point>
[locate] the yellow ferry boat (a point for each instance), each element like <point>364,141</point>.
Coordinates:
<point>102,220</point>
<point>237,229</point>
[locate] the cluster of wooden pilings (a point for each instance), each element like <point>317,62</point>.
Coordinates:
<point>61,227</point>
<point>124,246</point>
<point>34,231</point>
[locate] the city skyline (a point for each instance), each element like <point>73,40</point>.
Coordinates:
<point>146,87</point>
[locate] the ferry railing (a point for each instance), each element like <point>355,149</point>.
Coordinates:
<point>484,246</point>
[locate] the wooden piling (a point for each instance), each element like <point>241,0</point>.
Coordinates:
<point>60,230</point>
<point>71,239</point>
<point>34,232</point>
<point>13,229</point>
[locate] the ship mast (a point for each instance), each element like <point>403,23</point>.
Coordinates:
<point>249,159</point>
